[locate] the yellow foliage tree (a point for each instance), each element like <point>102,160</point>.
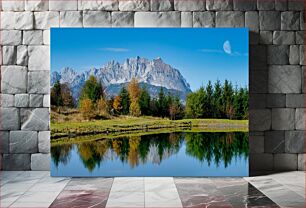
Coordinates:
<point>117,104</point>
<point>135,109</point>
<point>87,108</point>
<point>102,107</point>
<point>134,89</point>
<point>134,92</point>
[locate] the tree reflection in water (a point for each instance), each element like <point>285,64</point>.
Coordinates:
<point>136,150</point>
<point>61,154</point>
<point>217,146</point>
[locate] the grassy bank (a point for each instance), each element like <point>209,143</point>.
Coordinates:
<point>94,137</point>
<point>130,125</point>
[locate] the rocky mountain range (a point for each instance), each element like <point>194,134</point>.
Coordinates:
<point>150,73</point>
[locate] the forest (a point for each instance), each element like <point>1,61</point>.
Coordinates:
<point>215,100</point>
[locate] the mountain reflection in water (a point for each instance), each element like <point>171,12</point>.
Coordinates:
<point>219,150</point>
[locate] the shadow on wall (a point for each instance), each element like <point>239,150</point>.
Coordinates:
<point>259,116</point>
<point>274,84</point>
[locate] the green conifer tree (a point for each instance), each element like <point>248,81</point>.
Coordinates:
<point>56,97</point>
<point>144,101</point>
<point>125,101</point>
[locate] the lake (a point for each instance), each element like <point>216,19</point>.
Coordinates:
<point>164,154</point>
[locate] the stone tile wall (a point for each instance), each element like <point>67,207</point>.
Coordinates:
<point>277,127</point>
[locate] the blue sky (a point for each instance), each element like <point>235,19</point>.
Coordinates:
<point>200,54</point>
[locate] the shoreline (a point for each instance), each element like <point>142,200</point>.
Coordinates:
<point>89,138</point>
<point>129,126</point>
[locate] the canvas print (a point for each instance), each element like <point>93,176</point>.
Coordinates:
<point>149,102</point>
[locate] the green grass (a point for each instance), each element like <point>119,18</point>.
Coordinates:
<point>127,120</point>
<point>88,138</point>
<point>125,125</point>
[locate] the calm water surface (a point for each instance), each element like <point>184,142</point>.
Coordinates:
<point>167,154</point>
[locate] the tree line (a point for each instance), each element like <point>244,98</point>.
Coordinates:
<point>131,100</point>
<point>218,101</point>
<point>61,95</point>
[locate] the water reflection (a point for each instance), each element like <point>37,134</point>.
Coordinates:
<point>154,149</point>
<point>61,154</point>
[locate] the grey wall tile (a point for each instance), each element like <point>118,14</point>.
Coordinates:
<point>283,118</point>
<point>16,161</point>
<point>285,162</point>
<point>295,141</point>
<point>275,141</point>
